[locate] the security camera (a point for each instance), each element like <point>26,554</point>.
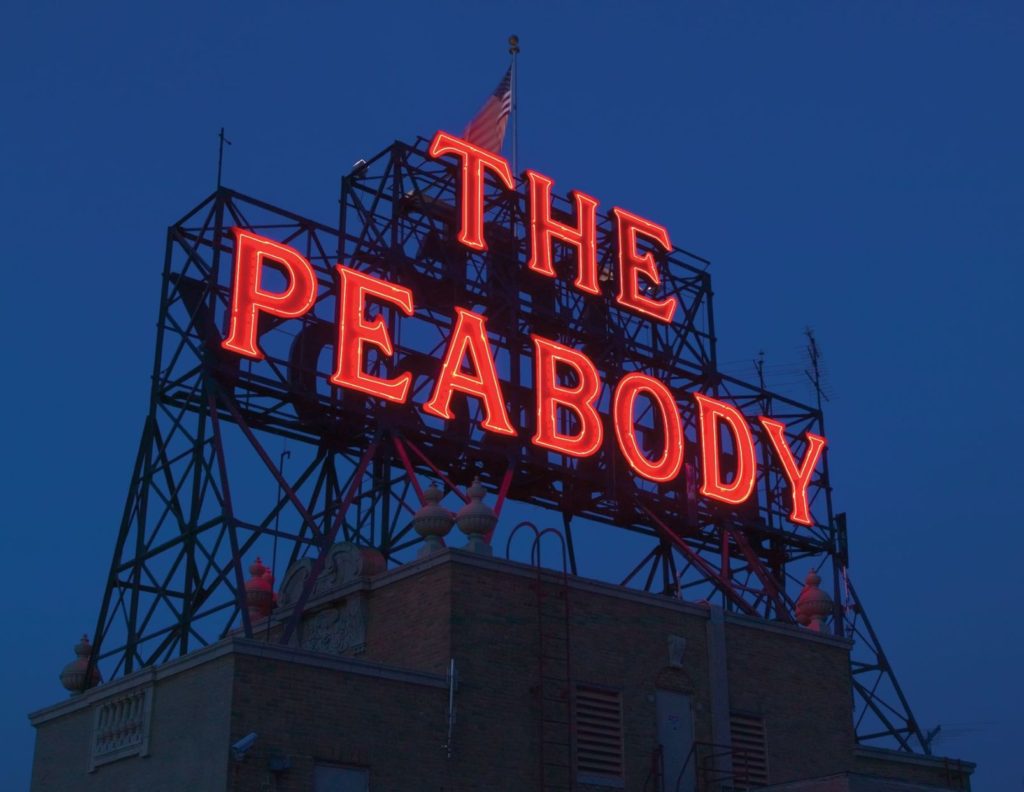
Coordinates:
<point>241,748</point>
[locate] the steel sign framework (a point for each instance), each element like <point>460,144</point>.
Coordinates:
<point>210,487</point>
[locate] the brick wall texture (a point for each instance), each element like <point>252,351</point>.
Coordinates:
<point>520,644</point>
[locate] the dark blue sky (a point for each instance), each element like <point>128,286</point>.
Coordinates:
<point>854,167</point>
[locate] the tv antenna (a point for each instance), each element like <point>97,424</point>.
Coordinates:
<point>220,155</point>
<point>815,374</point>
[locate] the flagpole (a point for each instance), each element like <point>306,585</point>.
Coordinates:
<point>513,50</point>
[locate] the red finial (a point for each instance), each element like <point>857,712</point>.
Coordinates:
<point>259,591</point>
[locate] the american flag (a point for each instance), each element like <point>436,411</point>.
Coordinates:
<point>487,129</point>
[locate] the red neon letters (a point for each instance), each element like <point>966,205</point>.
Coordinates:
<point>249,299</point>
<point>568,420</point>
<point>469,337</point>
<point>580,399</point>
<point>632,263</point>
<point>354,332</point>
<point>799,476</point>
<point>471,189</point>
<point>543,230</point>
<point>713,414</point>
<point>632,385</point>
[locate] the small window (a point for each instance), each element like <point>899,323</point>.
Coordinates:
<point>599,735</point>
<point>749,750</point>
<point>340,778</point>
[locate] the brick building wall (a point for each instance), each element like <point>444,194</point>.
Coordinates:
<point>187,736</point>
<point>800,686</point>
<point>380,702</point>
<point>392,724</point>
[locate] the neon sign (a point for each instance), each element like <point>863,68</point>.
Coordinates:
<point>567,387</point>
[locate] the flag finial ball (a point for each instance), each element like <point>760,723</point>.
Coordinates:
<point>513,44</point>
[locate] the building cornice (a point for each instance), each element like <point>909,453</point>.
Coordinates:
<point>919,760</point>
<point>236,647</point>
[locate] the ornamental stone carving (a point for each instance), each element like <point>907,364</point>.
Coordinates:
<point>345,563</point>
<point>336,630</point>
<point>293,581</point>
<point>121,726</point>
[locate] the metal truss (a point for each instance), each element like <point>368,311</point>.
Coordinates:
<point>210,488</point>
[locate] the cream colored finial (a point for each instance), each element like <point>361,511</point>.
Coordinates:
<point>476,519</point>
<point>432,521</point>
<point>813,606</point>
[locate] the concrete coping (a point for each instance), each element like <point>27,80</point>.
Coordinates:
<point>452,555</point>
<point>842,781</point>
<point>698,609</point>
<point>235,646</point>
<point>903,757</point>
<point>239,645</point>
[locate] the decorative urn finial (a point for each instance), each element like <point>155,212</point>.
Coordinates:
<point>813,606</point>
<point>73,676</point>
<point>432,521</point>
<point>259,591</point>
<point>476,519</point>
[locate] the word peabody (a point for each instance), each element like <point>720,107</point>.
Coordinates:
<point>468,364</point>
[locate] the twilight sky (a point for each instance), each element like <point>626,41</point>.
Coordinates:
<point>853,167</point>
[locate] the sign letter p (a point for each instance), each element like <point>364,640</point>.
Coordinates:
<point>249,299</point>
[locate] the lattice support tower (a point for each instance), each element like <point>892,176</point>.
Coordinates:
<point>209,488</point>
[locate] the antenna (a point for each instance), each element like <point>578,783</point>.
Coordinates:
<point>815,374</point>
<point>762,380</point>
<point>220,155</point>
<point>759,368</point>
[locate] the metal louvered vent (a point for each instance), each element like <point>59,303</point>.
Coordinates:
<point>598,733</point>
<point>749,751</point>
